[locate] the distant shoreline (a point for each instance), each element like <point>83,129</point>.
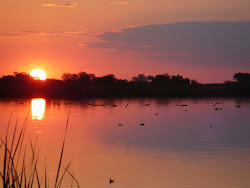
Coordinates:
<point>87,86</point>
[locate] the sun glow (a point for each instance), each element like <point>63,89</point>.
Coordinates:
<point>38,74</point>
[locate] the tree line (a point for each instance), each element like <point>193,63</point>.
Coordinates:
<point>84,85</point>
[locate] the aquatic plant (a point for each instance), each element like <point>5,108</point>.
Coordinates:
<point>19,169</point>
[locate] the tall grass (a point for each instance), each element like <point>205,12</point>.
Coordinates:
<point>20,170</point>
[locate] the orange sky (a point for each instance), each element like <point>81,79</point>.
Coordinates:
<point>56,35</point>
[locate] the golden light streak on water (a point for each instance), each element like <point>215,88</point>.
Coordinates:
<point>38,108</point>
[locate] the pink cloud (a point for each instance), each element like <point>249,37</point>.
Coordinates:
<point>67,5</point>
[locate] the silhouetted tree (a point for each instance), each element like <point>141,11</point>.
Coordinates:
<point>69,77</point>
<point>106,80</point>
<point>150,78</point>
<point>194,83</point>
<point>242,78</point>
<point>22,76</point>
<point>180,80</point>
<point>141,78</point>
<point>85,78</point>
<point>161,79</point>
<point>8,78</point>
<point>82,84</point>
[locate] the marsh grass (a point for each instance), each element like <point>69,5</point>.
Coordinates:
<point>19,169</point>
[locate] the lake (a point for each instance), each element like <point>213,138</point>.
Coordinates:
<point>140,143</point>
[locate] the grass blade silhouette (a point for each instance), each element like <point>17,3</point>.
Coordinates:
<point>61,156</point>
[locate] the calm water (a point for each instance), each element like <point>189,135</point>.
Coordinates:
<point>183,142</point>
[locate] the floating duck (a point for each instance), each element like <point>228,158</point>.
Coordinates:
<point>111,181</point>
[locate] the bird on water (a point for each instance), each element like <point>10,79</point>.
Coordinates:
<point>111,181</point>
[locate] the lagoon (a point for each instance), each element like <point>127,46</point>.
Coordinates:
<point>140,143</point>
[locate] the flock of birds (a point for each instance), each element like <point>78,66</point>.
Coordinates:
<point>182,105</point>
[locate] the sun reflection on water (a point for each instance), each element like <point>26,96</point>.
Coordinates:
<point>38,108</point>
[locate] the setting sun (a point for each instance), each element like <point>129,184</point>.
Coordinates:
<point>38,74</point>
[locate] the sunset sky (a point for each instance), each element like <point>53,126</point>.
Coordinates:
<point>206,40</point>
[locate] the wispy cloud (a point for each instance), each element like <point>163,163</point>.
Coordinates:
<point>66,5</point>
<point>42,33</point>
<point>16,34</point>
<point>65,33</point>
<point>121,3</point>
<point>145,46</point>
<point>117,31</point>
<point>82,44</point>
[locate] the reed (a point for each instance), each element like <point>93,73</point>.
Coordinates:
<point>17,170</point>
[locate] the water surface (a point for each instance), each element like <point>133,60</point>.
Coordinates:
<point>141,143</point>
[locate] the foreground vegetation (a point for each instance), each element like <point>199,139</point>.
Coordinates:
<point>83,85</point>
<point>19,169</point>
